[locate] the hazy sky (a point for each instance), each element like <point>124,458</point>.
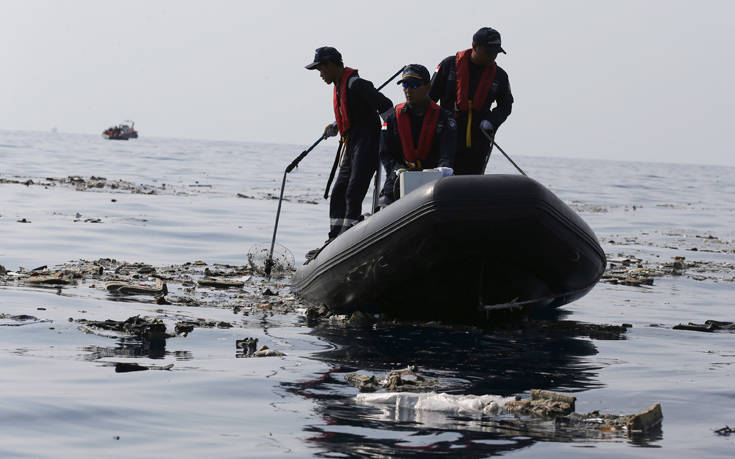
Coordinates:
<point>634,80</point>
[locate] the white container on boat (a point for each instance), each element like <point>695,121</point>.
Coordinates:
<point>410,180</point>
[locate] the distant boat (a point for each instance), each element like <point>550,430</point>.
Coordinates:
<point>123,131</point>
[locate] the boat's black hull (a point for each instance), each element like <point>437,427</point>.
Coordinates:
<point>457,248</point>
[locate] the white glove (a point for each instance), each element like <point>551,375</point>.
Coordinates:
<point>446,171</point>
<point>487,126</point>
<point>331,130</point>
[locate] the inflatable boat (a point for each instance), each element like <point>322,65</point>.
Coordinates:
<point>458,248</point>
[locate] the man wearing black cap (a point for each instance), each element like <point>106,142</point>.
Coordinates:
<point>467,84</point>
<point>418,134</point>
<point>356,107</point>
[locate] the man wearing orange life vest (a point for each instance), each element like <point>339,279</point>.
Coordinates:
<point>467,84</point>
<point>356,107</point>
<point>417,134</point>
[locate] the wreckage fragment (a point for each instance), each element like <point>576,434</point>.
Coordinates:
<point>404,380</point>
<point>265,351</point>
<point>709,326</point>
<point>219,283</point>
<point>542,403</point>
<point>141,327</point>
<point>39,277</point>
<point>246,346</point>
<point>128,288</point>
<point>645,420</point>
<point>126,367</point>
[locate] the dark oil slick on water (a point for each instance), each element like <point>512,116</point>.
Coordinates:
<point>185,213</point>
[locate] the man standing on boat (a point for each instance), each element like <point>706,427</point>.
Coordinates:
<point>417,134</point>
<point>356,107</point>
<point>467,84</point>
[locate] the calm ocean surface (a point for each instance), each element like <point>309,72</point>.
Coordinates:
<point>59,396</point>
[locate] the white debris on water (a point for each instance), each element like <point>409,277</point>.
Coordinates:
<point>437,402</point>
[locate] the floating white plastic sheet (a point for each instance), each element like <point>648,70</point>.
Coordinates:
<point>436,402</point>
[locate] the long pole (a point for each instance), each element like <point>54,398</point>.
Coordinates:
<point>390,79</point>
<point>334,167</point>
<point>292,166</point>
<point>492,141</point>
<point>376,186</point>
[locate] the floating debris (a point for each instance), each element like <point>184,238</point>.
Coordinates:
<point>9,320</point>
<point>436,402</point>
<point>188,326</point>
<point>40,276</point>
<point>542,403</point>
<point>220,283</point>
<point>140,327</point>
<point>184,328</point>
<point>265,351</point>
<point>403,380</point>
<point>93,183</point>
<point>642,422</point>
<point>126,367</point>
<point>630,270</point>
<point>246,347</point>
<point>269,195</point>
<point>127,288</point>
<point>709,326</point>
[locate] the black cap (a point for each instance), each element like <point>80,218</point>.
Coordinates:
<point>415,72</point>
<point>324,54</point>
<point>489,38</point>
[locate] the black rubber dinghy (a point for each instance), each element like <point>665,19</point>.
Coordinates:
<point>456,249</point>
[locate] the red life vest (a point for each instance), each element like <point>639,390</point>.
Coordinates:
<point>464,102</point>
<point>426,138</point>
<point>340,106</point>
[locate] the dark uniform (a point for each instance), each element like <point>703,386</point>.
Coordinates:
<point>441,153</point>
<point>359,125</point>
<point>360,157</point>
<point>472,159</point>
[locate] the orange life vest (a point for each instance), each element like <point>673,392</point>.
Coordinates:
<point>411,152</point>
<point>340,106</point>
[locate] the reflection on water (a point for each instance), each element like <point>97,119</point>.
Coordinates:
<point>132,348</point>
<point>468,361</point>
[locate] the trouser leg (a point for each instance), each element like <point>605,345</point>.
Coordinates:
<point>353,180</point>
<point>363,161</point>
<point>337,201</point>
<point>472,160</point>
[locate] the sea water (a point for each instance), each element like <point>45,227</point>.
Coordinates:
<point>214,200</point>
